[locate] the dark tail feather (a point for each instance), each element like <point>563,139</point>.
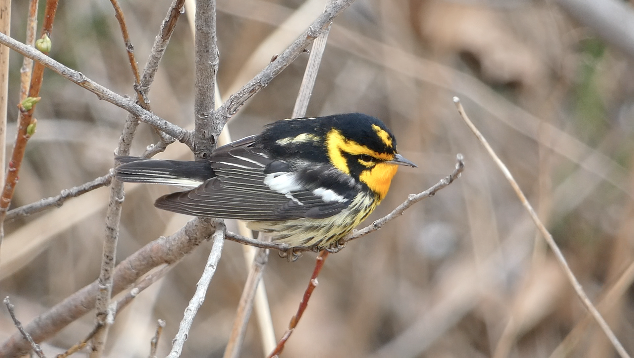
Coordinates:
<point>169,172</point>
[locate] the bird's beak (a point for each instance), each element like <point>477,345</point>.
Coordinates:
<point>400,160</point>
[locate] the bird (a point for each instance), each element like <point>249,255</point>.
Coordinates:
<point>305,182</point>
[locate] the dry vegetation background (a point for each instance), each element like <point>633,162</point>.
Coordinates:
<point>462,274</point>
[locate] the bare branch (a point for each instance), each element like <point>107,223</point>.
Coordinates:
<point>547,236</point>
<point>26,335</point>
<point>201,290</point>
<point>245,305</point>
<point>57,201</point>
<point>312,284</point>
<point>141,99</point>
<point>411,200</point>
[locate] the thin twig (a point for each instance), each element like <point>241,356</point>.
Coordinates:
<point>81,345</point>
<point>411,200</point>
<point>160,324</point>
<point>310,75</point>
<point>321,258</point>
<point>201,290</point>
<point>547,236</point>
<point>245,305</point>
<point>118,13</point>
<point>25,334</point>
<point>57,201</point>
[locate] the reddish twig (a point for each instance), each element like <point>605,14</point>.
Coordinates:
<point>140,95</point>
<point>302,305</point>
<point>26,122</point>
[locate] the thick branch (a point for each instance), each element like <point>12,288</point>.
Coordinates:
<point>207,129</point>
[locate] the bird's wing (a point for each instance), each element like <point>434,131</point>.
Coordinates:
<point>250,186</point>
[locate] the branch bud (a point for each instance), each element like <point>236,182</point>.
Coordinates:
<point>29,102</point>
<point>44,44</point>
<point>30,129</point>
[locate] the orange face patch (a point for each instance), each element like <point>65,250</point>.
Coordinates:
<point>379,178</point>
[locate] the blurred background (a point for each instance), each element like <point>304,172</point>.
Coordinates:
<point>461,274</point>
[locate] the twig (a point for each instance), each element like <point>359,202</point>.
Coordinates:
<point>310,75</point>
<point>158,49</point>
<point>108,259</point>
<point>102,92</point>
<point>141,96</point>
<point>201,290</point>
<point>81,345</point>
<point>57,201</point>
<point>321,258</point>
<point>245,305</point>
<point>160,324</point>
<point>411,200</point>
<point>547,236</point>
<point>25,334</point>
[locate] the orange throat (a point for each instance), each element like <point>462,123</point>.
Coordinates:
<point>379,178</point>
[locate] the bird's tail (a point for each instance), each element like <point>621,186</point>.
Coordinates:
<point>168,172</point>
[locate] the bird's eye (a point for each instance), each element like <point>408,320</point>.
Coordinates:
<point>366,158</point>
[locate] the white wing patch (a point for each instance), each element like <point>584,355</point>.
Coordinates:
<point>328,195</point>
<point>282,183</point>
